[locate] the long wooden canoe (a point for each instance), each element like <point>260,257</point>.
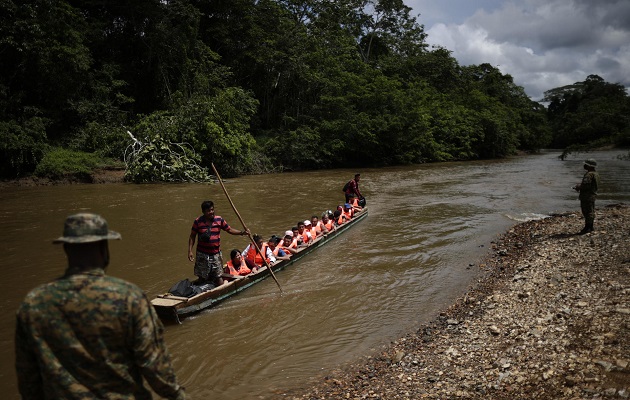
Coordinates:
<point>172,308</point>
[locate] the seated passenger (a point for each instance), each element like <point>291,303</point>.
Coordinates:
<point>354,201</point>
<point>308,226</point>
<point>348,211</point>
<point>289,243</point>
<point>327,222</point>
<point>252,254</point>
<point>307,239</point>
<point>297,236</point>
<point>277,250</point>
<point>238,265</point>
<point>339,217</point>
<point>320,228</point>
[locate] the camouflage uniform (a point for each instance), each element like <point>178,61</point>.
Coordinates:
<point>91,336</point>
<point>588,193</point>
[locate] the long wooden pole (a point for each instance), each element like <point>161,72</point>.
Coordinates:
<point>245,227</point>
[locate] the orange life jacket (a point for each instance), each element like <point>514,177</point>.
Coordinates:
<point>276,250</point>
<point>319,226</point>
<point>342,218</point>
<point>242,270</point>
<point>329,225</point>
<point>349,213</point>
<point>253,255</point>
<point>293,245</point>
<point>305,236</point>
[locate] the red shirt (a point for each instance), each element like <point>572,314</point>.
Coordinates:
<point>200,226</point>
<point>353,188</point>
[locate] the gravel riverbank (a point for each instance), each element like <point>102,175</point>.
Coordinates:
<point>549,319</point>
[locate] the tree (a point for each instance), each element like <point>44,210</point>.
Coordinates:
<point>589,113</point>
<point>250,84</point>
<point>43,62</point>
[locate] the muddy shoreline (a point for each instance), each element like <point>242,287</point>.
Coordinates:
<point>107,175</point>
<point>549,318</point>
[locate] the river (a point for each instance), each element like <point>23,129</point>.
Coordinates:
<point>428,227</point>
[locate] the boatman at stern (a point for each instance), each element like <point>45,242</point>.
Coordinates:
<point>208,260</point>
<point>351,189</point>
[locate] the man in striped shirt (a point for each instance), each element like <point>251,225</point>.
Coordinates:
<point>208,259</point>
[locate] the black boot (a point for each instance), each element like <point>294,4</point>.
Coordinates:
<point>588,228</point>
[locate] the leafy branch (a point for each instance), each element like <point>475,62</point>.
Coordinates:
<point>156,159</point>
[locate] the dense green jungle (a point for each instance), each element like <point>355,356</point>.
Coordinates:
<point>164,88</point>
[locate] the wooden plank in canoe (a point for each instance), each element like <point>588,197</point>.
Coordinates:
<point>161,302</point>
<point>172,297</point>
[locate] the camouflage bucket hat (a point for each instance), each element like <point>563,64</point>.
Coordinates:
<point>590,162</point>
<point>85,228</point>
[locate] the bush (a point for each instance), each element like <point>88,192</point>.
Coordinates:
<point>22,146</point>
<point>104,140</point>
<point>63,163</point>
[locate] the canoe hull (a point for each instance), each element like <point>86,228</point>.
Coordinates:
<point>173,308</point>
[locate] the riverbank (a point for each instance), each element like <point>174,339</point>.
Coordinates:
<point>103,175</point>
<point>549,319</point>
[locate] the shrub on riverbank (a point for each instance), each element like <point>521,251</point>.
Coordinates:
<point>64,163</point>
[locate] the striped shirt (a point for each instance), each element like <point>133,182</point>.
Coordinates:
<point>201,226</point>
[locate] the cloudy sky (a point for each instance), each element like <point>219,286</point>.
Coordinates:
<point>543,44</point>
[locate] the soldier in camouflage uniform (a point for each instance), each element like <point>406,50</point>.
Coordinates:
<point>588,192</point>
<point>87,335</point>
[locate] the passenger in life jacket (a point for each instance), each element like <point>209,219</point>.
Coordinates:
<point>348,211</point>
<point>297,236</point>
<point>338,216</point>
<point>277,250</point>
<point>252,254</point>
<point>289,243</point>
<point>327,222</point>
<point>308,226</point>
<point>320,228</point>
<point>355,204</point>
<point>238,265</point>
<point>307,239</point>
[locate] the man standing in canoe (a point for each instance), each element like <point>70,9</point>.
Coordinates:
<point>208,260</point>
<point>87,335</point>
<point>352,188</point>
<point>588,192</point>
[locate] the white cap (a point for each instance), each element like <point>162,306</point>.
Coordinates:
<point>288,233</point>
<point>307,222</point>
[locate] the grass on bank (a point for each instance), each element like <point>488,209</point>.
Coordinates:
<point>59,163</point>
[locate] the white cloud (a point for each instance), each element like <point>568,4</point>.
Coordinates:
<point>450,11</point>
<point>543,44</point>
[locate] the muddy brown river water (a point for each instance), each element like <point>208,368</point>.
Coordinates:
<point>415,253</point>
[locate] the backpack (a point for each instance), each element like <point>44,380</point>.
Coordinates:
<point>345,187</point>
<point>183,289</point>
<point>186,288</point>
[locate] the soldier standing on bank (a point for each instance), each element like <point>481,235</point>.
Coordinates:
<point>588,192</point>
<point>87,335</point>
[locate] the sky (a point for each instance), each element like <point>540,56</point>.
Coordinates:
<point>542,44</point>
